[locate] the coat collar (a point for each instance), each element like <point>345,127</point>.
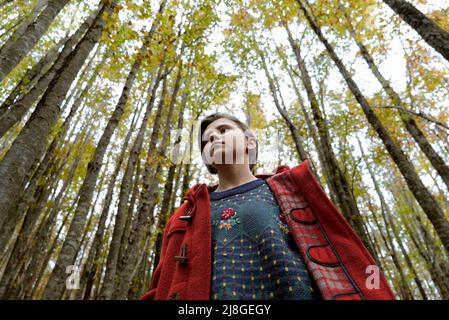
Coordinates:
<point>203,187</point>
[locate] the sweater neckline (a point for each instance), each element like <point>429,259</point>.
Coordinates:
<point>236,190</point>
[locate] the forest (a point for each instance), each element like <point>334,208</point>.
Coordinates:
<point>99,108</point>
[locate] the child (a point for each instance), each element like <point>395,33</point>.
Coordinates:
<point>267,236</point>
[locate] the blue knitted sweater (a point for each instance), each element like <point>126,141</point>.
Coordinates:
<point>253,254</point>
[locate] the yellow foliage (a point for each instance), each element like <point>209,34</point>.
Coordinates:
<point>255,111</point>
<point>242,19</point>
<point>441,18</point>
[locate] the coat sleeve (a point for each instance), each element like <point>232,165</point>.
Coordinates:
<point>151,294</point>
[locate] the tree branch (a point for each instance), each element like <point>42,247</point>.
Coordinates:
<point>418,114</point>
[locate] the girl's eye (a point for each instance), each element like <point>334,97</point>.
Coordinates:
<point>222,130</point>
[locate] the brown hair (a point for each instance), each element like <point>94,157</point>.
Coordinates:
<point>218,115</point>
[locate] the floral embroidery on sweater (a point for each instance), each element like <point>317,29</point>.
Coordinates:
<point>229,219</point>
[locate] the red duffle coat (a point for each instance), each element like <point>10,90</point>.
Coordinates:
<point>336,258</point>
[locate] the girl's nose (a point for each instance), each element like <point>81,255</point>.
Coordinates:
<point>213,136</point>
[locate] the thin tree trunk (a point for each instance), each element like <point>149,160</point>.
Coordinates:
<point>23,23</point>
<point>32,138</point>
<point>176,187</point>
<point>71,245</point>
<point>388,221</point>
<point>298,140</point>
<point>168,187</point>
<point>337,180</point>
<point>46,179</point>
<point>18,109</point>
<point>187,171</point>
<point>51,251</point>
<point>45,166</point>
<point>409,121</point>
<point>406,292</point>
<point>137,283</point>
<point>433,254</point>
<point>16,48</point>
<point>38,260</point>
<point>316,141</point>
<point>38,243</point>
<point>33,75</point>
<point>110,282</point>
<point>419,190</point>
<point>30,143</point>
<point>181,164</point>
<point>148,198</point>
<point>89,269</point>
<point>432,33</point>
<point>434,271</point>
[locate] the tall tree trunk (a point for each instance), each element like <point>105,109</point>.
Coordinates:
<point>137,283</point>
<point>39,188</point>
<point>431,252</point>
<point>406,292</point>
<point>409,121</point>
<point>110,282</point>
<point>187,178</point>
<point>176,187</point>
<point>15,49</point>
<point>434,271</point>
<point>89,269</point>
<point>297,139</point>
<point>33,75</point>
<point>388,221</point>
<point>316,141</point>
<point>337,180</point>
<point>148,199</point>
<point>180,166</point>
<point>55,285</point>
<point>31,141</point>
<point>432,33</point>
<point>18,109</point>
<point>168,187</point>
<point>419,190</point>
<point>51,251</point>
<point>44,167</point>
<point>38,248</point>
<point>23,23</point>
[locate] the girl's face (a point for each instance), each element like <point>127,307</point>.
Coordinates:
<point>226,143</point>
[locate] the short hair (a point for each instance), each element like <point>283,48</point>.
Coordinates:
<point>219,115</point>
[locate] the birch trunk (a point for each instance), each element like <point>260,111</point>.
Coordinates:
<point>419,190</point>
<point>409,122</point>
<point>30,143</point>
<point>432,33</point>
<point>15,49</point>
<point>18,109</point>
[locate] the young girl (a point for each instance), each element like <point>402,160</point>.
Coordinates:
<point>266,236</point>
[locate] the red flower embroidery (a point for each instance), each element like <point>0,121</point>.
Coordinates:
<point>227,213</point>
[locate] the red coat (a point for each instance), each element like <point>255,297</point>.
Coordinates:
<point>336,258</point>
